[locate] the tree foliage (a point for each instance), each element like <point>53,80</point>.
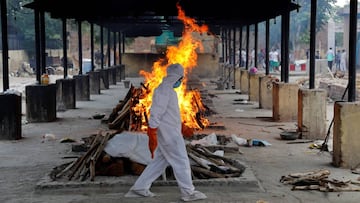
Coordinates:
<point>22,24</point>
<point>300,20</point>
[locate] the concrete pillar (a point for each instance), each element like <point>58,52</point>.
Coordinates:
<point>118,73</point>
<point>254,86</point>
<point>122,72</point>
<point>285,101</point>
<point>40,103</point>
<point>65,94</point>
<point>312,113</point>
<point>265,92</point>
<point>112,75</point>
<point>237,78</point>
<point>10,116</point>
<point>346,133</point>
<point>82,87</point>
<point>104,79</point>
<point>94,77</point>
<point>244,81</point>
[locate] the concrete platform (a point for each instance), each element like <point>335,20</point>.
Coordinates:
<point>246,180</point>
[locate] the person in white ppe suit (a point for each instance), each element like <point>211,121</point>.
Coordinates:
<point>165,124</point>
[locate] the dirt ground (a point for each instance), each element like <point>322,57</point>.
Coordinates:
<point>26,161</point>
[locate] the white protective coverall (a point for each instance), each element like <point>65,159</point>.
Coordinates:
<point>171,150</point>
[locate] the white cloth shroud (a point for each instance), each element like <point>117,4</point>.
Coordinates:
<point>132,145</point>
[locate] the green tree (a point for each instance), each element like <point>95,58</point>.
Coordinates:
<point>21,21</point>
<point>300,20</point>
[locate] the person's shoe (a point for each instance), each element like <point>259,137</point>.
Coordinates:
<point>139,193</point>
<point>196,195</point>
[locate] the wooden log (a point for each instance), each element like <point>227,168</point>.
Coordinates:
<point>80,161</point>
<point>199,161</point>
<point>217,161</point>
<point>123,114</point>
<point>120,106</point>
<point>206,172</point>
<point>224,148</point>
<point>97,153</point>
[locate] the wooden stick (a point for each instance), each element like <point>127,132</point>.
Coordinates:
<point>206,172</point>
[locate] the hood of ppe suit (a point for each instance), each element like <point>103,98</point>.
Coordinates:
<point>174,72</point>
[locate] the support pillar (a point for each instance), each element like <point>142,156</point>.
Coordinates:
<point>82,87</point>
<point>265,92</point>
<point>285,101</point>
<point>254,86</point>
<point>122,71</point>
<point>346,131</point>
<point>237,78</point>
<point>112,75</point>
<point>94,77</point>
<point>104,79</point>
<point>312,113</point>
<point>10,116</point>
<point>65,94</point>
<point>244,81</point>
<point>118,73</point>
<point>40,103</point>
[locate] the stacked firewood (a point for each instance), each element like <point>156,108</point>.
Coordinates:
<point>84,166</point>
<point>208,165</point>
<point>205,164</point>
<point>125,117</point>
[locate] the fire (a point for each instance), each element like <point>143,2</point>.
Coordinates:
<point>185,54</point>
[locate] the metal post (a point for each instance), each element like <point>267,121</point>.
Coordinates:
<point>352,50</point>
<point>80,46</point>
<point>5,46</point>
<point>312,44</point>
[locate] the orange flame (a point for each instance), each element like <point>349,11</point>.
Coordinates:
<point>186,55</point>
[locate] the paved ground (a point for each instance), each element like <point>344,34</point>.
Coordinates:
<point>25,163</point>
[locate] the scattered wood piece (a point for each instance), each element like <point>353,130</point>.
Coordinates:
<point>318,180</point>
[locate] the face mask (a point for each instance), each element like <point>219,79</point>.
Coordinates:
<point>177,83</point>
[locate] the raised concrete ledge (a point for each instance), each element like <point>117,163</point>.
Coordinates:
<point>254,86</point>
<point>94,82</point>
<point>104,79</point>
<point>122,71</point>
<point>285,101</point>
<point>112,75</point>
<point>118,73</point>
<point>247,181</point>
<point>265,91</point>
<point>65,94</point>
<point>10,116</point>
<point>40,103</point>
<point>82,87</point>
<point>244,81</point>
<point>346,131</point>
<point>312,113</point>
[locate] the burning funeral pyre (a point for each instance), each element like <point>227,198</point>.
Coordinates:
<point>132,112</point>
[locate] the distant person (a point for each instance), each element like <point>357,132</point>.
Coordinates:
<point>317,55</point>
<point>330,57</point>
<point>274,60</point>
<point>343,60</point>
<point>243,58</point>
<point>337,60</point>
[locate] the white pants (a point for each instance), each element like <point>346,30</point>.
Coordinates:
<point>343,66</point>
<point>175,155</point>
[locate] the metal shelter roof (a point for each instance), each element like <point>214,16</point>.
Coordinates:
<point>149,17</point>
